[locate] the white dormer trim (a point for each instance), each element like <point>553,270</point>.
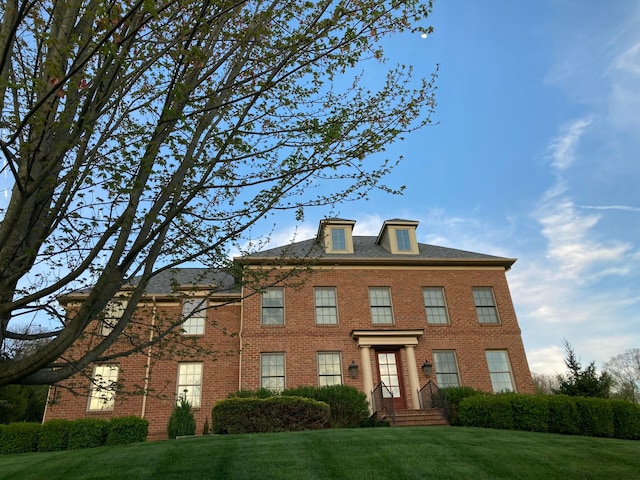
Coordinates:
<point>399,237</point>
<point>330,237</point>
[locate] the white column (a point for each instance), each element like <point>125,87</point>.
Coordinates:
<point>367,373</point>
<point>414,383</point>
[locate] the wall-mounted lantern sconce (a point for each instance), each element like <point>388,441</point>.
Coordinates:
<point>353,369</point>
<point>426,367</point>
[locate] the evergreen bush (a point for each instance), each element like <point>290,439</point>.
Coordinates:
<point>274,414</point>
<point>54,435</point>
<point>123,430</point>
<point>626,419</point>
<point>19,437</point>
<point>530,412</point>
<point>563,415</point>
<point>596,417</point>
<point>454,395</point>
<point>348,406</point>
<point>181,422</point>
<point>88,433</point>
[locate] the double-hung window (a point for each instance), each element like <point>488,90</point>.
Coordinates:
<point>329,369</point>
<point>111,315</point>
<point>500,370</point>
<point>272,371</point>
<point>338,239</point>
<point>194,314</point>
<point>273,306</point>
<point>435,305</point>
<point>103,387</point>
<point>326,307</point>
<point>381,309</point>
<point>190,383</point>
<point>485,305</point>
<point>403,241</point>
<point>446,368</point>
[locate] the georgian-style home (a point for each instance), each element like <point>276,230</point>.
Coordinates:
<point>385,314</point>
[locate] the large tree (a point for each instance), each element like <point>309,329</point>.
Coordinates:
<point>624,369</point>
<point>579,381</point>
<point>139,134</point>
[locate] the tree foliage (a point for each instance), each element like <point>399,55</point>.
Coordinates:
<point>139,135</point>
<point>579,382</point>
<point>624,370</point>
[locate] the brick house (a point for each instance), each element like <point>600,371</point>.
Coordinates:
<point>338,308</point>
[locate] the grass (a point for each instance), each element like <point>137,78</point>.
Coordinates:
<point>382,453</point>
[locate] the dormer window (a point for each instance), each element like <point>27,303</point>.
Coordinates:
<point>402,240</point>
<point>398,236</point>
<point>338,239</point>
<point>335,235</point>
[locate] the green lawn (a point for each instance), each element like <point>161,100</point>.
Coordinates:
<point>381,453</point>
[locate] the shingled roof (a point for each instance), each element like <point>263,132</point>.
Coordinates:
<point>367,250</point>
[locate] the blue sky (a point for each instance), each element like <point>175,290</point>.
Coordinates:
<point>535,156</point>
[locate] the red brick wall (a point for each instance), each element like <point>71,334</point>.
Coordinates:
<point>300,339</point>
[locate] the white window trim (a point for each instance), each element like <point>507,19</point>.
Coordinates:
<point>103,392</point>
<point>390,306</point>
<point>320,376</point>
<point>284,370</point>
<point>262,308</point>
<point>194,319</point>
<point>111,315</point>
<point>509,371</point>
<point>494,306</point>
<point>195,401</point>
<point>455,361</point>
<point>334,306</point>
<point>444,300</point>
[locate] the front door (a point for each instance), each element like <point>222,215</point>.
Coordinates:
<point>389,374</point>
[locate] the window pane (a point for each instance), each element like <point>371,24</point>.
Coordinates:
<point>326,310</point>
<point>434,305</point>
<point>402,237</point>
<point>103,387</point>
<point>500,371</point>
<point>338,239</point>
<point>111,315</point>
<point>329,369</point>
<point>194,309</point>
<point>273,306</point>
<point>381,311</point>
<point>485,305</point>
<point>272,371</point>
<point>190,383</point>
<point>446,369</point>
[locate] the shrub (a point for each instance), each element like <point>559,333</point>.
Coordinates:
<point>626,419</point>
<point>596,417</point>
<point>454,396</point>
<point>122,430</point>
<point>530,412</point>
<point>181,422</point>
<point>348,407</point>
<point>259,393</point>
<point>54,435</point>
<point>489,411</point>
<point>88,433</point>
<point>19,437</point>
<point>563,415</point>
<point>274,414</point>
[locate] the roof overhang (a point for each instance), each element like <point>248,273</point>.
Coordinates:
<point>373,338</point>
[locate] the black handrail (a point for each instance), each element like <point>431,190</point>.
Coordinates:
<point>431,396</point>
<point>382,399</point>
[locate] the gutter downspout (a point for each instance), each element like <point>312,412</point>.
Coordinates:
<point>148,366</point>
<point>240,339</point>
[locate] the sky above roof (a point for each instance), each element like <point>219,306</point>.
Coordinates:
<point>534,156</point>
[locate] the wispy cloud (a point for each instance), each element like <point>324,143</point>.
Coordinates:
<point>562,148</point>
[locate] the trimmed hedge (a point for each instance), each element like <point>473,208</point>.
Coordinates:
<point>454,395</point>
<point>626,419</point>
<point>88,433</point>
<point>122,430</point>
<point>348,406</point>
<point>54,435</point>
<point>491,411</point>
<point>274,414</point>
<point>563,415</point>
<point>594,417</point>
<point>19,437</point>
